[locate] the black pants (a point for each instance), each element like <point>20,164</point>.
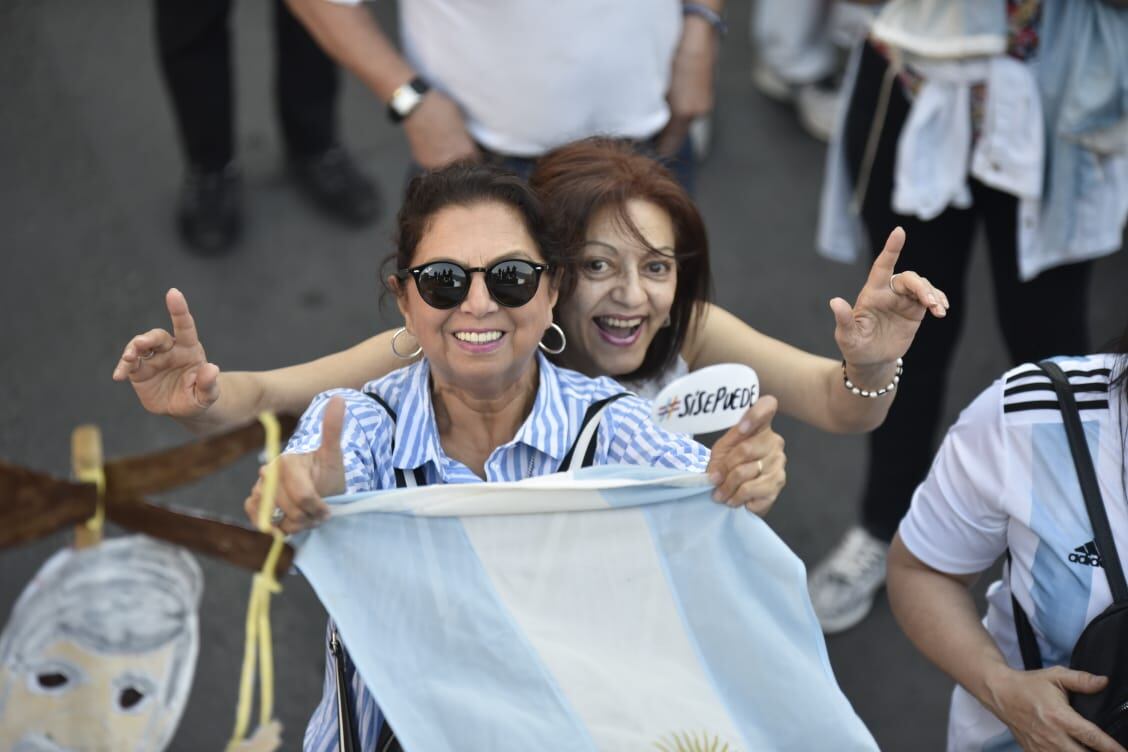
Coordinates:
<point>1045,316</point>
<point>195,51</point>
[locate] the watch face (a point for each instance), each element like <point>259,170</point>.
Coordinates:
<point>406,98</point>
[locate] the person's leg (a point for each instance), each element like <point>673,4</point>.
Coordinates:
<point>306,85</point>
<point>900,450</point>
<point>195,54</point>
<point>194,49</point>
<point>792,42</point>
<point>1045,316</point>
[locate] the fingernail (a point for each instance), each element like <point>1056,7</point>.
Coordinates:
<point>744,427</point>
<point>717,495</point>
<point>715,478</point>
<point>932,299</point>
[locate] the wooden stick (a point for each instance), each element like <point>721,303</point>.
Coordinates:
<point>240,546</point>
<point>86,459</point>
<point>130,477</point>
<point>34,505</point>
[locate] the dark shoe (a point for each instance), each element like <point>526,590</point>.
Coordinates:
<point>209,216</point>
<point>333,182</point>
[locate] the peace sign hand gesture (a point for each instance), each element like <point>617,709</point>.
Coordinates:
<point>170,372</point>
<point>883,321</point>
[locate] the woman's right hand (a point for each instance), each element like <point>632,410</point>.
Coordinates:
<point>170,372</point>
<point>1035,707</point>
<point>304,479</point>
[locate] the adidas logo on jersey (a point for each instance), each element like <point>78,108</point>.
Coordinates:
<point>1087,554</point>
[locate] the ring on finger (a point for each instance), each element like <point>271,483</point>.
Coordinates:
<point>277,516</point>
<point>891,286</point>
<point>760,465</point>
<point>148,354</point>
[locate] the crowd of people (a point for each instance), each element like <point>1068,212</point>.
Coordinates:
<point>548,241</point>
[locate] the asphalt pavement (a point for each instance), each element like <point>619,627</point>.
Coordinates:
<point>89,170</point>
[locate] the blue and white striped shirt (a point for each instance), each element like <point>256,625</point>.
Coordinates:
<point>626,436</point>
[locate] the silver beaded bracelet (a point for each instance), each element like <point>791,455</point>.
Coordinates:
<point>874,393</point>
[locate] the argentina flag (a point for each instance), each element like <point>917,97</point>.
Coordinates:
<point>610,608</point>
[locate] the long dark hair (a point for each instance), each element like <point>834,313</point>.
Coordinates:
<point>578,180</point>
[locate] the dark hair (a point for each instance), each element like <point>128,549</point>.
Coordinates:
<point>580,179</point>
<point>463,184</point>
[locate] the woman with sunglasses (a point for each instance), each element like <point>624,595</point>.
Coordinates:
<point>477,291</point>
<point>633,305</point>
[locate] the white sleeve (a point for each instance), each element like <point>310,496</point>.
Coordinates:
<point>956,523</point>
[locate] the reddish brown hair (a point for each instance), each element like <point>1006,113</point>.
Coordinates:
<point>580,179</point>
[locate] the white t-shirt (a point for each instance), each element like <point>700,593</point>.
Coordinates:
<point>648,389</point>
<point>531,75</point>
<point>1004,478</point>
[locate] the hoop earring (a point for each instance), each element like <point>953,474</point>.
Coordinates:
<point>563,341</point>
<point>397,353</point>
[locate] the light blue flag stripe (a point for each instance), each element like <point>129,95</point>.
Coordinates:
<point>707,557</point>
<point>457,622</point>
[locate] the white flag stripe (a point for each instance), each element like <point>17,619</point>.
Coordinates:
<point>620,618</point>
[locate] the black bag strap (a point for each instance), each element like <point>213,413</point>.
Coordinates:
<point>584,445</point>
<point>1027,641</point>
<point>347,739</point>
<point>403,480</point>
<point>1098,517</point>
<point>1087,477</point>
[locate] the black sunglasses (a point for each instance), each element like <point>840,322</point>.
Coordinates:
<point>445,284</point>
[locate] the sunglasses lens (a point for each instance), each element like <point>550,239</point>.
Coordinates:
<point>512,283</point>
<point>442,285</point>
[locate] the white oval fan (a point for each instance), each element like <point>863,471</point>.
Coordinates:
<point>711,399</point>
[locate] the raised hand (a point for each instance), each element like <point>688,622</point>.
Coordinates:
<point>170,372</point>
<point>748,464</point>
<point>883,321</point>
<point>303,479</point>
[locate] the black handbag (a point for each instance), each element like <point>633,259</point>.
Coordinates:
<point>1102,647</point>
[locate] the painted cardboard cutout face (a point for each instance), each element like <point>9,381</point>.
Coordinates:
<point>100,650</point>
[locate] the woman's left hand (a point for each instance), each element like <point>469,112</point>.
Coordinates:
<point>747,463</point>
<point>881,324</point>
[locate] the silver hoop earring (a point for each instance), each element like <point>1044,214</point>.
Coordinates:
<point>396,352</point>
<point>563,341</point>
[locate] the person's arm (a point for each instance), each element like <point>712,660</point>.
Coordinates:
<point>937,612</point>
<point>171,375</point>
<point>351,36</point>
<point>691,89</point>
<point>871,335</point>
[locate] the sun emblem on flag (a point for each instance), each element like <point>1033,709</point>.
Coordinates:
<point>687,742</point>
<point>668,409</point>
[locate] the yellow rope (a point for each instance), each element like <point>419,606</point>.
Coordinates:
<point>97,476</point>
<point>258,606</point>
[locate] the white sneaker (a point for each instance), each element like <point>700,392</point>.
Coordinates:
<point>770,83</point>
<point>843,585</point>
<point>817,107</point>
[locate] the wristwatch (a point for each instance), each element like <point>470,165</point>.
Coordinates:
<point>406,98</point>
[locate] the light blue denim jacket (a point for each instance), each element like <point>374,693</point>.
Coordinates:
<point>1081,76</point>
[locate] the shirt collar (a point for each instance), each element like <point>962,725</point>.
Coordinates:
<point>417,433</point>
<point>546,428</point>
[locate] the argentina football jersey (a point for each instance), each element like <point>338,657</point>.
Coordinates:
<point>1004,480</point>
